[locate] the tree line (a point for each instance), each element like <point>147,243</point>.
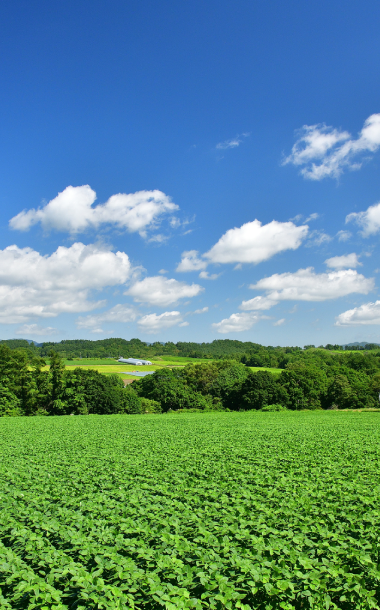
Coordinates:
<point>310,379</point>
<point>242,351</point>
<point>314,382</point>
<point>27,388</point>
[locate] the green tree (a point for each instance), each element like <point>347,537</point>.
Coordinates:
<point>305,385</point>
<point>10,405</point>
<point>130,402</point>
<point>88,391</point>
<point>339,393</point>
<point>57,370</point>
<point>259,390</point>
<point>170,390</point>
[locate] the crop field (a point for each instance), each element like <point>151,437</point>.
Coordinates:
<point>259,511</point>
<point>110,366</point>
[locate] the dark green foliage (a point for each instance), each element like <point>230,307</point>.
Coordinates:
<point>130,402</point>
<point>259,390</point>
<point>57,369</point>
<point>311,379</point>
<point>339,393</point>
<point>9,403</point>
<point>304,385</point>
<point>168,388</point>
<point>87,391</point>
<point>150,406</point>
<point>219,381</point>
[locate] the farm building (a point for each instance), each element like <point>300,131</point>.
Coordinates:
<point>134,361</point>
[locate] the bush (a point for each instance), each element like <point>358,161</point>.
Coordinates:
<point>130,402</point>
<point>10,405</point>
<point>87,391</point>
<point>150,406</point>
<point>168,388</point>
<point>276,407</point>
<point>259,390</point>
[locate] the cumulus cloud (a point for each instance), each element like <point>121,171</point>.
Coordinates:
<point>369,313</point>
<point>233,142</point>
<point>153,323</point>
<point>203,310</point>
<point>326,152</point>
<point>306,285</point>
<point>368,220</point>
<point>190,261</point>
<point>205,275</point>
<point>238,322</point>
<point>343,235</point>
<point>346,261</point>
<point>279,322</point>
<point>32,285</point>
<point>27,330</point>
<point>161,291</point>
<point>258,303</point>
<point>118,314</point>
<point>73,211</point>
<point>254,242</point>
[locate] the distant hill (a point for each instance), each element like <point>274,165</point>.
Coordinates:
<point>362,344</point>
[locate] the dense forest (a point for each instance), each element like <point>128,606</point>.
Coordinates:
<point>257,354</point>
<point>310,379</point>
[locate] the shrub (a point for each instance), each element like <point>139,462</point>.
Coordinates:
<point>9,403</point>
<point>150,406</point>
<point>130,402</point>
<point>276,407</point>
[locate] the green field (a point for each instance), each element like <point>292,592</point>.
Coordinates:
<point>108,366</point>
<point>259,511</point>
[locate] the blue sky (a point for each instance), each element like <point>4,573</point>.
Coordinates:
<point>184,170</point>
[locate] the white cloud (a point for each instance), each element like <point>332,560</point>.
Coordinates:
<point>35,329</point>
<point>32,285</point>
<point>159,290</point>
<point>324,151</point>
<point>369,313</point>
<point>317,238</point>
<point>368,220</point>
<point>347,261</point>
<point>238,322</point>
<point>205,275</point>
<point>279,322</point>
<point>313,216</point>
<point>343,235</point>
<point>233,143</point>
<point>203,310</point>
<point>72,211</point>
<point>306,285</point>
<point>118,314</point>
<point>153,323</point>
<point>254,242</point>
<point>258,303</point>
<point>191,262</point>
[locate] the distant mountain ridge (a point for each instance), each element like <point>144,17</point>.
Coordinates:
<point>362,344</point>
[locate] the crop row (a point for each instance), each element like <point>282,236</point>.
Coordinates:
<point>219,511</point>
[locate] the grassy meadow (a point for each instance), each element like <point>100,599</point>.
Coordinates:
<point>257,511</point>
<point>110,366</point>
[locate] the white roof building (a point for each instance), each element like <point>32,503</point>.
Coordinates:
<point>134,361</point>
